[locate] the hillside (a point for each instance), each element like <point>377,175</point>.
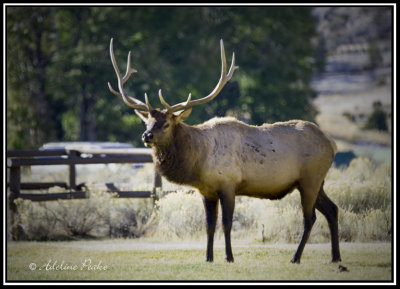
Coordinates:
<point>356,79</point>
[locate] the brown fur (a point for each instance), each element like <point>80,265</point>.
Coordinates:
<point>178,162</point>
<point>224,157</point>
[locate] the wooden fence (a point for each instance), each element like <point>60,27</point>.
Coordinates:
<point>18,158</point>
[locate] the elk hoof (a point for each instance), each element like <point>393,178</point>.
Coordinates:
<point>343,269</point>
<point>295,261</point>
<point>229,260</point>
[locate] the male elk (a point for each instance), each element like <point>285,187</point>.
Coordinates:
<point>224,157</point>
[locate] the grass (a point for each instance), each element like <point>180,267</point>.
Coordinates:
<point>133,260</point>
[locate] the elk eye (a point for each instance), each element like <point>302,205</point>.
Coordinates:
<point>166,125</point>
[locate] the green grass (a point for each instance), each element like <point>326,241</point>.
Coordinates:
<point>365,262</point>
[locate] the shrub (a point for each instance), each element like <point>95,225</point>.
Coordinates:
<point>361,186</point>
<point>377,119</point>
<point>180,215</point>
<point>98,215</point>
<point>63,218</point>
<point>38,223</point>
<point>81,217</point>
<point>362,192</point>
<point>130,218</point>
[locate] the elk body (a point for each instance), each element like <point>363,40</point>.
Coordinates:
<point>224,158</point>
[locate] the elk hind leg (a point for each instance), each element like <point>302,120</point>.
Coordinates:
<point>330,211</point>
<point>227,200</point>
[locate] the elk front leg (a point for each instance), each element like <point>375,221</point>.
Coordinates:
<point>227,200</point>
<point>211,209</point>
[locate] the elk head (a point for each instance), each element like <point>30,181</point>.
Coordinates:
<point>160,124</point>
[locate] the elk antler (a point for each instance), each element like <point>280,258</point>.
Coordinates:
<point>130,101</point>
<point>221,83</point>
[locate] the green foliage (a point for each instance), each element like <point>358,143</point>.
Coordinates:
<point>377,119</point>
<point>58,67</point>
<point>29,112</point>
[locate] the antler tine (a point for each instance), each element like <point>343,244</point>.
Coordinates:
<point>147,102</point>
<point>130,101</point>
<point>129,69</point>
<point>162,100</point>
<point>113,61</point>
<point>232,68</point>
<point>223,60</point>
<point>221,83</point>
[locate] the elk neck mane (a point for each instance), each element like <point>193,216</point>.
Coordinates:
<point>179,161</point>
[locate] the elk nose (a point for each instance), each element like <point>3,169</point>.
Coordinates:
<point>147,136</point>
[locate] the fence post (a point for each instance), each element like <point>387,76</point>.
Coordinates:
<point>157,185</point>
<point>157,181</point>
<point>15,185</point>
<point>72,170</point>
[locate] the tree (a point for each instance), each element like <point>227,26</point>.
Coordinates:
<point>377,119</point>
<point>174,48</point>
<point>29,112</point>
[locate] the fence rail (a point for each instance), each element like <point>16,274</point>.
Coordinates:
<point>18,158</point>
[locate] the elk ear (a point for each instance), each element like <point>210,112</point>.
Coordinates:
<point>182,114</point>
<point>144,115</point>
